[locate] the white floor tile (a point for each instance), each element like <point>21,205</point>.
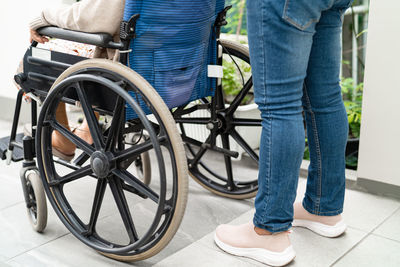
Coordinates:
<point>201,256</point>
<point>17,236</point>
<point>365,211</point>
<point>63,252</point>
<point>390,228</point>
<point>373,251</point>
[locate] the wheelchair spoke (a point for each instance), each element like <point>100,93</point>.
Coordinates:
<point>75,175</point>
<point>191,141</point>
<point>81,159</point>
<point>137,184</point>
<point>81,144</point>
<point>94,128</point>
<point>228,162</point>
<point>133,190</point>
<point>192,120</point>
<point>115,124</point>
<point>200,153</point>
<point>98,200</point>
<point>136,150</point>
<point>239,98</point>
<point>246,122</point>
<point>235,135</point>
<point>123,208</point>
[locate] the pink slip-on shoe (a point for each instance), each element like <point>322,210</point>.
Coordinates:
<point>328,226</point>
<point>242,240</point>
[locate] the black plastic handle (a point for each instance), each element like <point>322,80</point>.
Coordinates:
<point>98,39</point>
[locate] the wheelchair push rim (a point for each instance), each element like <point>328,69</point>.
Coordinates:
<point>108,156</point>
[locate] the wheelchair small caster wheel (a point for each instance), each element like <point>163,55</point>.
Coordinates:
<point>143,168</point>
<point>36,203</point>
<point>142,162</point>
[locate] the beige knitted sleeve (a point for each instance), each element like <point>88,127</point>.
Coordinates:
<point>87,16</point>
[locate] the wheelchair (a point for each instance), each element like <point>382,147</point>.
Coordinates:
<point>108,196</point>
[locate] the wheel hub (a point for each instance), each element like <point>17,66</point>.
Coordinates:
<point>100,164</point>
<point>224,123</point>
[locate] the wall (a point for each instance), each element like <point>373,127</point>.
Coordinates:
<point>14,18</point>
<point>379,158</point>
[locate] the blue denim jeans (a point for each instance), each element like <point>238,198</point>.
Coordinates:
<point>295,52</point>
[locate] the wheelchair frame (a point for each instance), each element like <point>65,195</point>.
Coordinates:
<point>221,122</point>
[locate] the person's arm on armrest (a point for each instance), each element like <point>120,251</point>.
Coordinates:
<point>87,16</point>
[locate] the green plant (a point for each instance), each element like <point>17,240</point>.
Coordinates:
<point>236,15</point>
<point>306,151</point>
<point>352,97</point>
<point>232,82</point>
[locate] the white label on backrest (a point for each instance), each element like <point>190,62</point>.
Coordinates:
<point>215,71</point>
<point>41,53</point>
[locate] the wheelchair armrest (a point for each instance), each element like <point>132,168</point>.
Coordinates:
<point>98,39</point>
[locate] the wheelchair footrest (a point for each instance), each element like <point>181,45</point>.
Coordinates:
<point>17,153</point>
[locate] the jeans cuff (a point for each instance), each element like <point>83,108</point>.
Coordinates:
<point>320,212</point>
<point>272,229</point>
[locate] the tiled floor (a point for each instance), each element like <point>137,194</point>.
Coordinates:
<point>372,239</point>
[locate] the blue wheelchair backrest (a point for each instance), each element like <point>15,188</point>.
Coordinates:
<point>174,43</point>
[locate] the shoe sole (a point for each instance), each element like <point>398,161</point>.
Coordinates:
<point>61,155</point>
<point>259,254</point>
<point>322,229</point>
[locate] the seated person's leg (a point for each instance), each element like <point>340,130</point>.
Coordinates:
<point>62,147</point>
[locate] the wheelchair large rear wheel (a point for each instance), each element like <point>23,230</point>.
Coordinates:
<point>99,196</point>
<point>215,169</point>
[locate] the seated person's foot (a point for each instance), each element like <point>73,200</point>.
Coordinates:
<point>258,244</point>
<point>63,148</point>
<point>83,132</point>
<point>328,226</point>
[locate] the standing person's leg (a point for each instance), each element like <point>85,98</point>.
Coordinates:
<point>327,129</point>
<point>280,38</point>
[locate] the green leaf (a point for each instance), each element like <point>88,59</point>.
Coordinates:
<point>361,33</point>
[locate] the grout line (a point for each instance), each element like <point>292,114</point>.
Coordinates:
<point>243,260</point>
<point>26,251</point>
<point>12,205</point>
<point>388,238</point>
<point>365,237</point>
<point>198,241</point>
<point>357,229</point>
